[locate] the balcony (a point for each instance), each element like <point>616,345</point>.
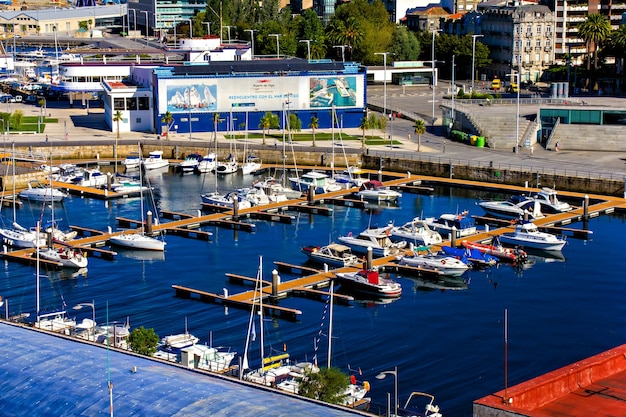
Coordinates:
<point>528,49</point>
<point>547,48</point>
<point>548,34</point>
<point>537,48</point>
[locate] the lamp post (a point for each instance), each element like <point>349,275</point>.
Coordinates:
<point>190,28</point>
<point>474,56</point>
<point>92,305</point>
<point>277,35</point>
<point>251,37</point>
<point>208,27</point>
<point>517,78</point>
<point>308,48</point>
<point>453,90</point>
<point>382,375</point>
<point>384,54</point>
<point>434,81</point>
<point>228,28</point>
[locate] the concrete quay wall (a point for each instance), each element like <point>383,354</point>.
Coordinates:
<point>498,175</point>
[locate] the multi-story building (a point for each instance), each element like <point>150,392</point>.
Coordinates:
<point>520,38</point>
<point>162,16</point>
<point>569,14</point>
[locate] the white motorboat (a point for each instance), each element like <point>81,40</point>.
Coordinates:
<point>527,235</point>
<point>39,192</point>
<point>549,201</point>
<point>375,191</point>
<point>461,222</point>
<point>256,196</point>
<point>205,357</point>
<point>412,407</point>
<point>155,160</point>
<point>179,341</point>
<point>190,163</point>
<point>375,238</point>
<point>57,322</point>
<point>137,241</point>
<point>350,177</point>
<point>251,165</point>
<point>86,177</point>
<point>68,257</point>
<point>370,282</point>
<point>446,265</point>
<point>334,254</point>
<point>416,231</point>
<point>514,208</point>
<point>275,191</point>
<point>208,163</point>
<point>129,187</point>
<point>225,200</point>
<point>319,181</point>
<point>229,166</point>
<point>132,161</point>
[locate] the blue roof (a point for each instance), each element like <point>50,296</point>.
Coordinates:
<point>45,375</point>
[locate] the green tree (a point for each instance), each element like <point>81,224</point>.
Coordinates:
<point>17,118</point>
<point>268,121</point>
<point>420,129</point>
<point>617,44</point>
<point>117,118</point>
<point>168,118</point>
<point>314,125</point>
<point>381,124</point>
<point>364,126</point>
<point>295,123</point>
<point>594,31</point>
<point>143,341</point>
<point>404,45</point>
<point>310,28</point>
<point>327,384</point>
<point>84,25</point>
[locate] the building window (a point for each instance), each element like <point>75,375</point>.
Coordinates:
<point>131,103</point>
<point>118,104</point>
<point>538,29</point>
<point>537,57</point>
<point>538,44</point>
<point>144,103</point>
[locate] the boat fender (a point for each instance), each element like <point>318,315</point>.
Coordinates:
<point>352,379</point>
<point>366,386</point>
<point>443,262</point>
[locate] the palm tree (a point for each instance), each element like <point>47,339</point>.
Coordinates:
<point>364,126</point>
<point>216,120</point>
<point>117,118</point>
<point>595,30</point>
<point>265,124</point>
<point>618,43</point>
<point>420,129</point>
<point>315,124</point>
<point>167,119</point>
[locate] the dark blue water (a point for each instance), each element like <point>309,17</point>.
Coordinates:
<point>449,343</point>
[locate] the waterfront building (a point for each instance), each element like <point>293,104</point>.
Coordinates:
<point>160,17</point>
<point>133,101</point>
<point>66,21</point>
<point>520,39</point>
<point>234,95</point>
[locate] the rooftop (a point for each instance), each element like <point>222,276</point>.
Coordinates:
<point>44,374</point>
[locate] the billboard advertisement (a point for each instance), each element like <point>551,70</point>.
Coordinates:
<point>209,95</point>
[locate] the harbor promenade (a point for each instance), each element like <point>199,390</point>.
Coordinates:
<point>76,125</point>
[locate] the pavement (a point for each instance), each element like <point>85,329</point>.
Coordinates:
<point>76,125</point>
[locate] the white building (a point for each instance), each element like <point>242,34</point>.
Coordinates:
<point>133,101</point>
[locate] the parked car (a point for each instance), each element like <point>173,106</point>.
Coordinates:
<point>7,98</point>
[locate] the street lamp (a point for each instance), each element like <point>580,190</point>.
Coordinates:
<point>474,56</point>
<point>434,79</point>
<point>252,37</point>
<point>382,375</point>
<point>92,305</point>
<point>277,35</point>
<point>384,54</point>
<point>228,27</point>
<point>453,90</point>
<point>517,75</point>
<point>190,28</point>
<point>308,48</point>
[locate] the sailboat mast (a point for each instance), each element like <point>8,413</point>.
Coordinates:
<point>330,323</point>
<point>37,275</point>
<point>141,188</point>
<point>261,306</point>
<point>14,196</point>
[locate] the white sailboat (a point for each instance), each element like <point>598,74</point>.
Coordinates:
<point>18,236</point>
<point>272,368</point>
<point>138,240</point>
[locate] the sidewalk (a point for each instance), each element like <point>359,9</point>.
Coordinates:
<point>433,145</point>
